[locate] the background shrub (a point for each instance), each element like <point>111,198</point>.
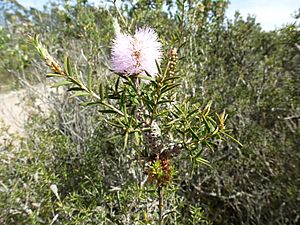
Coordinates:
<point>251,73</point>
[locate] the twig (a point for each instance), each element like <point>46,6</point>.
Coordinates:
<point>160,205</point>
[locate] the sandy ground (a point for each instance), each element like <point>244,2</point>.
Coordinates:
<point>14,110</point>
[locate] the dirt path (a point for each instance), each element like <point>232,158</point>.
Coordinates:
<point>14,109</point>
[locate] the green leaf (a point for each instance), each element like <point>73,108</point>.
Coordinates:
<point>178,16</point>
<point>179,109</point>
<point>76,72</point>
<point>107,111</point>
<point>117,85</point>
<point>75,89</point>
<point>206,110</point>
<point>215,131</point>
<point>193,112</point>
<point>207,124</point>
<point>172,78</point>
<point>124,110</point>
<point>114,124</point>
<point>211,120</point>
<point>62,83</point>
<point>158,67</point>
<point>91,103</point>
<point>53,75</point>
<point>146,77</point>
<point>68,66</point>
<point>180,131</point>
<point>113,97</point>
<point>172,122</point>
<point>125,140</point>
<point>132,84</point>
<point>175,114</point>
<point>206,143</point>
<point>79,94</point>
<point>167,88</point>
<point>101,91</point>
<point>203,161</point>
<point>232,138</point>
<point>165,101</point>
<point>194,135</point>
<point>137,138</point>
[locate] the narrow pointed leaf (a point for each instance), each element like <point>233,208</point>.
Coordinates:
<point>206,143</point>
<point>165,101</point>
<point>203,161</point>
<point>79,94</point>
<point>207,124</point>
<point>117,84</point>
<point>107,111</point>
<point>75,89</point>
<point>169,87</point>
<point>53,75</point>
<point>91,103</point>
<point>125,140</point>
<point>76,72</point>
<point>172,78</point>
<point>232,138</point>
<point>158,67</point>
<point>114,124</point>
<point>194,135</point>
<point>68,66</point>
<point>146,77</point>
<point>62,83</point>
<point>137,138</point>
<point>89,80</point>
<point>101,91</point>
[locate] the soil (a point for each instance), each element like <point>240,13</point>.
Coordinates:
<point>16,106</point>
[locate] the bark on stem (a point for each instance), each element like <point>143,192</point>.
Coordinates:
<point>160,205</point>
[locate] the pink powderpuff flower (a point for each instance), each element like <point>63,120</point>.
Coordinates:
<point>132,55</point>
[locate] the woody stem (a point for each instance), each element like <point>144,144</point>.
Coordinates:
<point>160,205</point>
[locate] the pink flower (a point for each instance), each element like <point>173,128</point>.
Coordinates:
<point>136,54</point>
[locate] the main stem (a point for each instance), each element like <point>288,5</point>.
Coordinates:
<point>160,205</point>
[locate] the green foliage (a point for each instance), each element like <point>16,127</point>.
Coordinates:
<point>94,182</point>
<point>251,73</point>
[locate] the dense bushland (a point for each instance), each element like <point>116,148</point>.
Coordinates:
<point>252,73</point>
